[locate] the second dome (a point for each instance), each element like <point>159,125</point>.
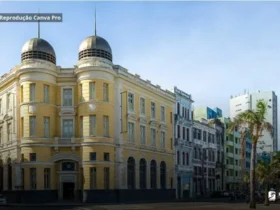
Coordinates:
<point>95,46</point>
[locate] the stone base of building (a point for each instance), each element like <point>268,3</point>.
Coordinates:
<point>92,196</point>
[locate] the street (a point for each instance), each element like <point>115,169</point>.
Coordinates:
<point>152,206</point>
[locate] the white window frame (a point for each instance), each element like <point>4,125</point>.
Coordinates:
<point>30,126</point>
<point>131,131</point>
<point>144,113</point>
<point>61,124</point>
<point>46,93</point>
<point>45,129</point>
<point>143,136</point>
<point>92,129</point>
<point>163,139</point>
<point>153,138</point>
<point>153,117</point>
<point>162,117</point>
<point>106,134</point>
<point>62,95</point>
<point>131,106</point>
<point>107,91</point>
<point>92,90</point>
<point>31,99</point>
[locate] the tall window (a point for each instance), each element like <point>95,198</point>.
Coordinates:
<point>47,178</point>
<point>187,158</point>
<point>184,133</point>
<point>153,174</point>
<point>22,127</point>
<point>106,178</point>
<point>81,93</point>
<point>33,178</point>
<point>32,124</point>
<point>162,175</point>
<point>67,97</point>
<point>92,90</point>
<point>131,132</point>
<point>162,139</point>
<point>105,92</point>
<point>92,124</point>
<point>153,110</point>
<point>81,126</point>
<point>143,174</point>
<point>178,108</point>
<point>153,137</point>
<point>22,178</point>
<point>178,157</point>
<point>68,131</point>
<point>32,92</point>
<point>10,176</point>
<point>9,129</point>
<point>46,93</point>
<point>142,134</point>
<point>93,178</point>
<point>184,160</point>
<point>142,106</point>
<point>178,131</point>
<point>130,102</point>
<point>106,126</point>
<point>162,113</point>
<point>21,94</point>
<point>46,127</point>
<point>131,173</point>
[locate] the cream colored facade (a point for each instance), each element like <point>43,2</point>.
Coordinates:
<point>81,125</point>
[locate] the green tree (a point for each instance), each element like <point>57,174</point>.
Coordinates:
<point>255,122</point>
<point>265,175</point>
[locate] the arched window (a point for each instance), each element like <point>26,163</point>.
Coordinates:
<point>178,108</point>
<point>1,175</point>
<point>131,173</point>
<point>187,158</point>
<point>143,173</point>
<point>10,183</point>
<point>153,174</point>
<point>184,161</point>
<point>162,175</point>
<point>178,157</point>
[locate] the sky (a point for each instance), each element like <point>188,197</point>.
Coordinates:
<point>211,50</point>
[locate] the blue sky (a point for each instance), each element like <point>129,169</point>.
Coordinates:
<point>211,50</point>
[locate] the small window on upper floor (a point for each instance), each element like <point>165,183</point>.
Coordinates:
<point>105,92</point>
<point>130,101</point>
<point>162,113</point>
<point>46,93</point>
<point>32,156</point>
<point>153,110</point>
<point>32,94</point>
<point>106,156</point>
<point>142,106</point>
<point>92,156</point>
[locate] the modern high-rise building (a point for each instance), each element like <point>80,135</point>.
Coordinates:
<point>248,101</point>
<point>94,130</point>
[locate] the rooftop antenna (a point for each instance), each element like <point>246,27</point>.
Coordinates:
<point>95,21</point>
<point>38,25</point>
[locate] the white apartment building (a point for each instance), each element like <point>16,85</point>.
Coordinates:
<point>248,101</point>
<point>204,158</point>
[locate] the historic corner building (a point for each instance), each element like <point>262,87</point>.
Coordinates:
<point>94,132</point>
<point>183,144</point>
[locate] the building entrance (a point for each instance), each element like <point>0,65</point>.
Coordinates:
<point>68,190</point>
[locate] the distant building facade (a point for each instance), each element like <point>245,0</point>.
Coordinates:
<point>248,101</point>
<point>204,158</point>
<point>183,143</point>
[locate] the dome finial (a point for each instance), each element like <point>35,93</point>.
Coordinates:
<point>95,21</point>
<point>38,25</point>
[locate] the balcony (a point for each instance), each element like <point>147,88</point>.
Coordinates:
<point>184,168</point>
<point>230,154</point>
<point>230,143</point>
<point>230,166</point>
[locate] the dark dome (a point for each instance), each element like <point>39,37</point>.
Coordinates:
<point>38,48</point>
<point>95,46</point>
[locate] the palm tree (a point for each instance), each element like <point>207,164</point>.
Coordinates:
<point>237,124</point>
<point>264,172</point>
<point>255,122</point>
